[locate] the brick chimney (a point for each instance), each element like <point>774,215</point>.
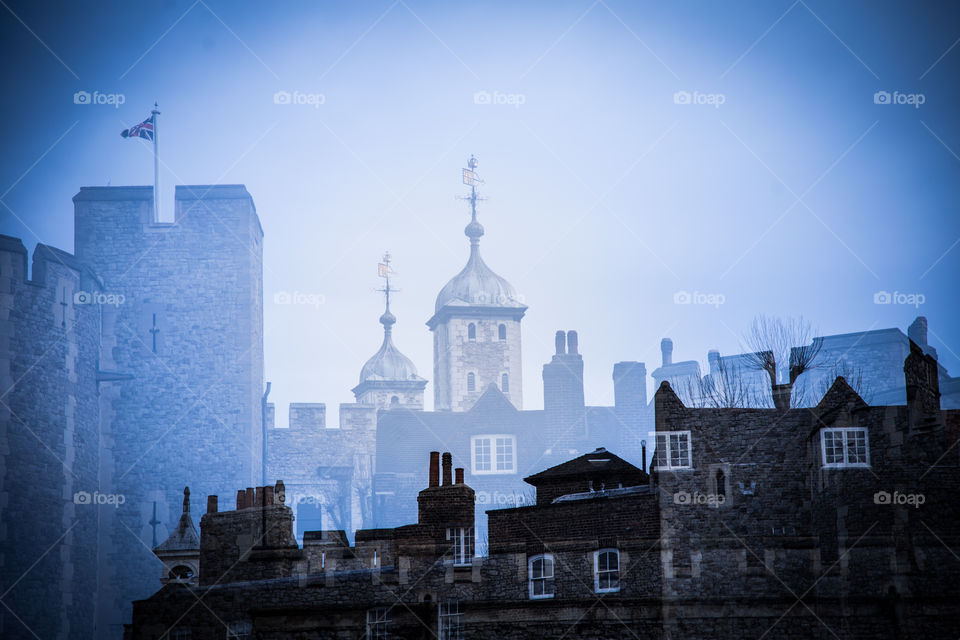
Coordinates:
<point>434,469</point>
<point>447,467</point>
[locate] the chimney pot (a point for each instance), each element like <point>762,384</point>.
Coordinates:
<point>572,342</point>
<point>258,497</point>
<point>212,504</point>
<point>280,492</point>
<point>666,350</point>
<point>434,469</point>
<point>251,497</point>
<point>241,499</point>
<point>268,496</point>
<point>561,343</point>
<point>458,474</point>
<point>447,467</point>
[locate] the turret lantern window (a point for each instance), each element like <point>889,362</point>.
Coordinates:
<point>471,382</point>
<point>471,331</point>
<point>502,332</point>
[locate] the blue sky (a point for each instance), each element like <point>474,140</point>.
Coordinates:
<point>785,185</point>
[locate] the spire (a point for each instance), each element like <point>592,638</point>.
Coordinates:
<point>186,500</point>
<point>384,271</point>
<point>474,230</point>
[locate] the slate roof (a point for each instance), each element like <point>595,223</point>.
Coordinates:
<point>596,462</point>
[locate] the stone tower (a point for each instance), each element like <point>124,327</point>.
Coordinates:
<point>190,334</point>
<point>389,378</point>
<point>476,328</point>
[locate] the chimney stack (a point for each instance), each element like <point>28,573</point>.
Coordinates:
<point>666,350</point>
<point>458,474</point>
<point>241,499</point>
<point>268,496</point>
<point>251,500</point>
<point>572,342</point>
<point>434,469</point>
<point>561,343</point>
<point>211,504</point>
<point>447,467</point>
<point>258,497</point>
<point>280,492</point>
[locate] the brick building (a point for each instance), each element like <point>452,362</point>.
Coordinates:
<point>832,521</point>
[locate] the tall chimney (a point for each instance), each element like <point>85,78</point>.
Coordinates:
<point>434,469</point>
<point>251,500</point>
<point>241,499</point>
<point>447,467</point>
<point>572,342</point>
<point>666,350</point>
<point>212,504</point>
<point>268,496</point>
<point>458,475</point>
<point>561,343</point>
<point>280,492</point>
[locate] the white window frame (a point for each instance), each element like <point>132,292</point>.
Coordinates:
<point>450,621</point>
<point>664,455</point>
<point>545,579</point>
<point>240,630</point>
<point>463,547</point>
<point>610,572</point>
<point>845,433</point>
<point>493,458</point>
<point>378,623</point>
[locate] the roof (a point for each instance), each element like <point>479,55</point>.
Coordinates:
<point>594,463</point>
<point>184,538</point>
<point>477,286</point>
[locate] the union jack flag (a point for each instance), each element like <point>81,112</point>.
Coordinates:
<point>143,130</point>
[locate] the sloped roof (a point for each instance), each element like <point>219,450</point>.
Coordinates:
<point>184,538</point>
<point>590,464</point>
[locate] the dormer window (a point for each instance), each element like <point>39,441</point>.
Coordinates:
<point>492,454</point>
<point>847,447</point>
<point>673,450</point>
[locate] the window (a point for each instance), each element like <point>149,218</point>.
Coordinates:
<point>502,332</point>
<point>462,538</point>
<point>606,571</point>
<point>471,382</point>
<point>493,454</point>
<point>450,621</point>
<point>378,623</point>
<point>845,447</point>
<point>720,478</point>
<point>471,331</point>
<point>240,630</point>
<point>673,450</point>
<point>505,383</point>
<point>541,576</point>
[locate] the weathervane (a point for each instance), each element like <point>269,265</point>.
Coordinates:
<point>474,230</point>
<point>384,270</point>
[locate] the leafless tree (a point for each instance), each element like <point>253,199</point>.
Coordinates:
<point>783,349</point>
<point>726,386</point>
<point>853,376</point>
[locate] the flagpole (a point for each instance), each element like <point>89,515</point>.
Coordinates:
<point>156,164</point>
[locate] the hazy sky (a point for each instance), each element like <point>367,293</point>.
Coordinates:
<point>781,182</point>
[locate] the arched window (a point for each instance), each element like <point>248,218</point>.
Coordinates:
<point>394,400</point>
<point>505,383</point>
<point>606,571</point>
<point>541,576</point>
<point>502,332</point>
<point>471,331</point>
<point>181,572</point>
<point>471,382</point>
